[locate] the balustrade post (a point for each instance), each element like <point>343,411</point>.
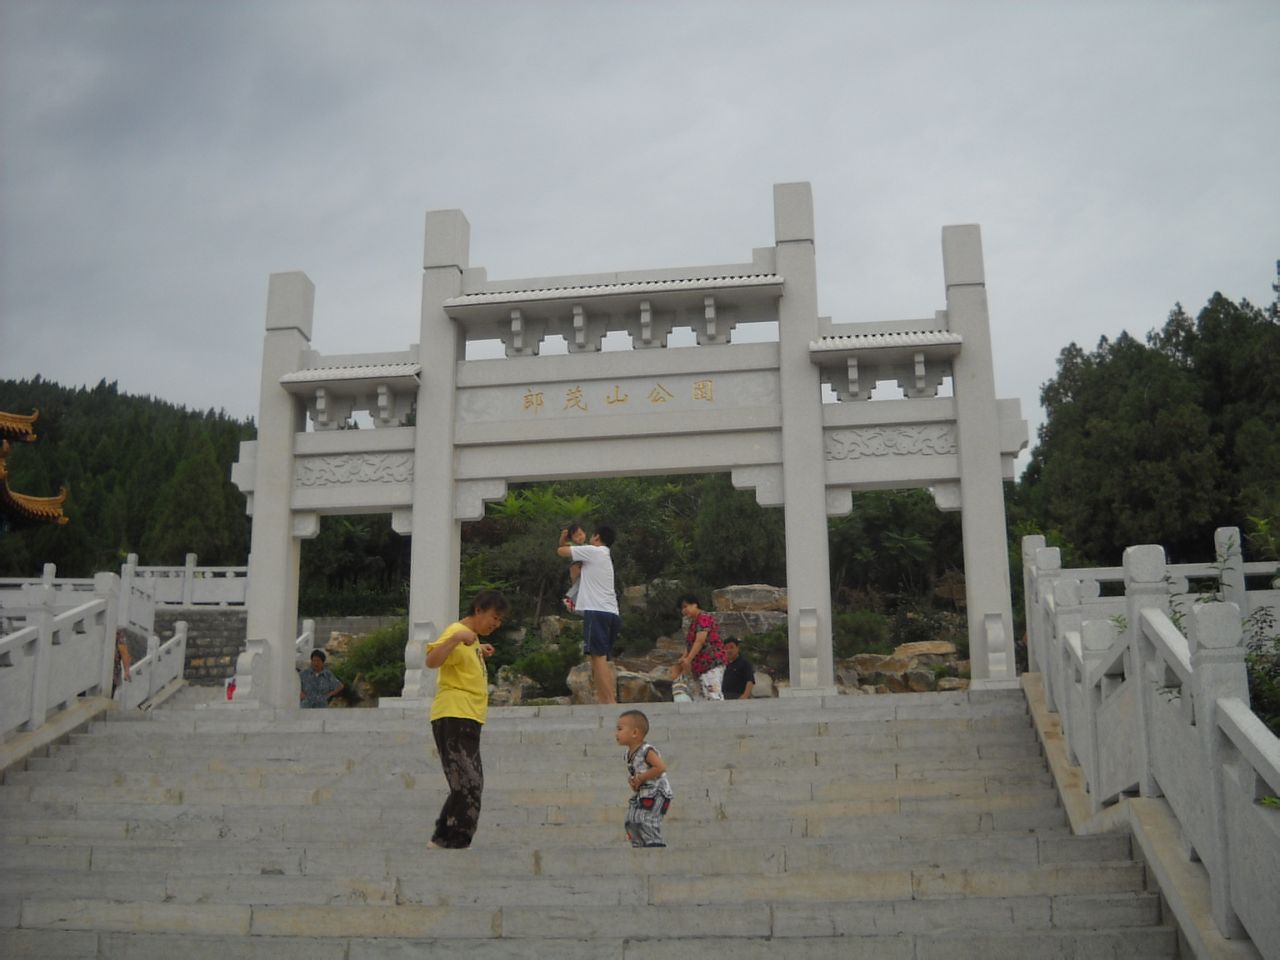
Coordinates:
<point>106,587</point>
<point>1217,672</point>
<point>41,597</point>
<point>1145,588</point>
<point>1096,639</point>
<point>153,674</point>
<point>189,580</point>
<point>1048,567</point>
<point>1229,555</point>
<point>1067,618</point>
<point>128,570</point>
<point>1030,546</point>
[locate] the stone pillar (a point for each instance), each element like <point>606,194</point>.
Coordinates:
<point>803,452</point>
<point>106,586</point>
<point>1217,672</point>
<point>1097,637</point>
<point>1047,570</point>
<point>1068,617</point>
<point>1030,544</point>
<point>274,547</point>
<point>986,559</point>
<point>1145,588</point>
<point>437,535</point>
<point>1229,557</point>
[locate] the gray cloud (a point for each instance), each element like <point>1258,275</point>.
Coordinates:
<point>159,159</point>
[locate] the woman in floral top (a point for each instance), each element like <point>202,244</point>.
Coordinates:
<point>704,654</point>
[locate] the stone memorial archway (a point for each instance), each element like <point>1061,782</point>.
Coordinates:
<point>753,410</point>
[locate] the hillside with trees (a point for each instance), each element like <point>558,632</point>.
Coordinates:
<point>143,476</point>
<point>1161,441</point>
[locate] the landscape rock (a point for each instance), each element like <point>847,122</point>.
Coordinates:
<point>752,597</point>
<point>920,681</point>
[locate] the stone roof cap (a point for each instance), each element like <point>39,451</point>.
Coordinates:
<point>364,371</point>
<point>631,288</point>
<point>873,341</point>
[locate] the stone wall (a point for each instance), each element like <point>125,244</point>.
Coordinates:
<point>215,637</point>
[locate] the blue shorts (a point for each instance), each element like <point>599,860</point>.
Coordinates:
<point>599,632</point>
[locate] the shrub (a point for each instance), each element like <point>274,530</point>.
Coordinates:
<point>860,631</point>
<point>1262,659</point>
<point>548,662</point>
<point>378,659</point>
<point>913,624</point>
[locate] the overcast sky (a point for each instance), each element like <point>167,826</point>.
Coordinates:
<point>160,158</point>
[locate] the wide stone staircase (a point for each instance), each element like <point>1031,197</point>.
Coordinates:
<point>906,827</point>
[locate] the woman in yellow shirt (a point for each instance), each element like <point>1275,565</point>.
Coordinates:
<point>458,711</point>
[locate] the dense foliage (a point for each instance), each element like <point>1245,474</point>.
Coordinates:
<point>1162,441</point>
<point>143,476</point>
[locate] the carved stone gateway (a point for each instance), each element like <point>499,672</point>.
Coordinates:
<point>753,410</point>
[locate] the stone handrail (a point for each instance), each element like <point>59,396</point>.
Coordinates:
<point>142,589</point>
<point>190,585</point>
<point>1152,695</point>
<point>162,665</point>
<point>58,655</point>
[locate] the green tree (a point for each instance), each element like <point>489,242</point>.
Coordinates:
<point>1126,454</point>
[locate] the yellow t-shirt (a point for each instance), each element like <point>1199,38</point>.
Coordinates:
<point>462,687</point>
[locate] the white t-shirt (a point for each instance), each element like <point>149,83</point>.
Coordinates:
<point>595,590</point>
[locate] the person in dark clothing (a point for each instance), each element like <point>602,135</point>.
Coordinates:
<point>739,675</point>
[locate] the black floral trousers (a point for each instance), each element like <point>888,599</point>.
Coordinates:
<point>458,742</point>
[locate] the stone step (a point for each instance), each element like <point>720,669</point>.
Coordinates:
<point>916,826</point>
<point>282,824</point>
<point>164,786</point>
<point>655,884</point>
<point>626,933</point>
<point>325,856</point>
<point>519,806</point>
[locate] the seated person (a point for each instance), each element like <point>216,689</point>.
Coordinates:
<point>319,685</point>
<point>739,675</point>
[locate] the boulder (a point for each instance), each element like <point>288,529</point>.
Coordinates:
<point>939,648</point>
<point>754,597</point>
<point>920,681</point>
<point>953,683</point>
<point>748,623</point>
<point>339,644</point>
<point>764,686</point>
<point>512,689</point>
<point>632,686</point>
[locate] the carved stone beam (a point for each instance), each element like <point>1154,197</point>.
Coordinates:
<point>579,327</point>
<point>646,323</point>
<point>709,314</point>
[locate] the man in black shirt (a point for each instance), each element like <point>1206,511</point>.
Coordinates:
<point>739,675</point>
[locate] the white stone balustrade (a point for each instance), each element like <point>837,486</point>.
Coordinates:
<point>162,665</point>
<point>58,655</point>
<point>1153,699</point>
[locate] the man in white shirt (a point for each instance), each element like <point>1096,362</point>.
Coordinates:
<point>598,604</point>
